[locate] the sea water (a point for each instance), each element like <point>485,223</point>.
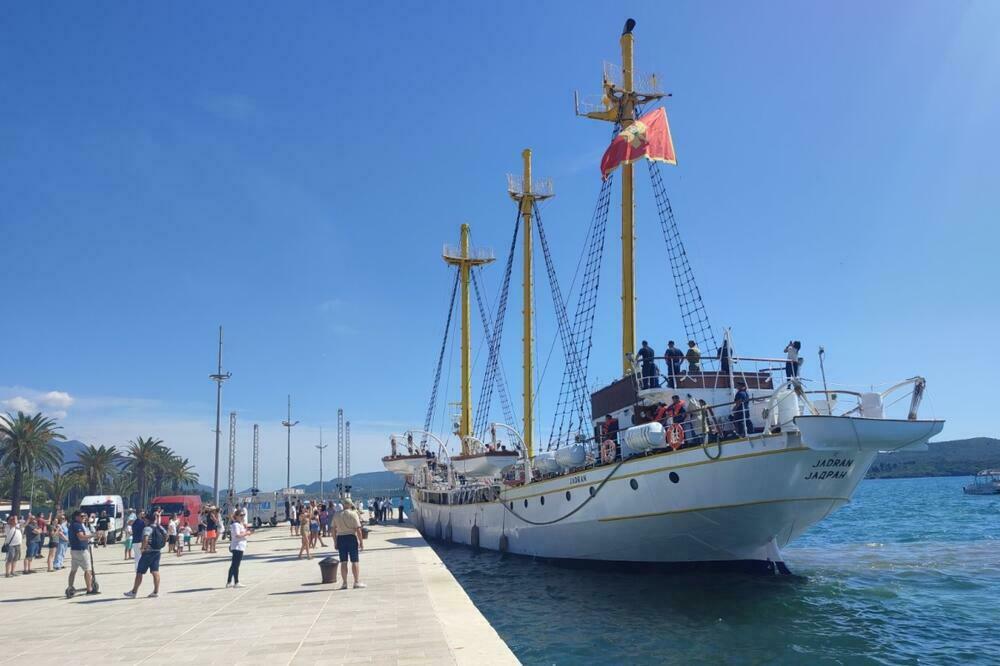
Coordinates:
<point>908,572</point>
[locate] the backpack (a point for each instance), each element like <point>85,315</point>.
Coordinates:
<point>157,538</point>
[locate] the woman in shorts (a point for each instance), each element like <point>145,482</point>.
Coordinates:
<point>128,541</point>
<point>12,545</point>
<point>211,530</point>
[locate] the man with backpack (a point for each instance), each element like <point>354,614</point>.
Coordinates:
<point>154,537</point>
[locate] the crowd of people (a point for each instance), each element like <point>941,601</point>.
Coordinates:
<point>147,534</point>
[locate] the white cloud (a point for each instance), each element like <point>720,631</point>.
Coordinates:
<point>56,400</point>
<point>20,404</point>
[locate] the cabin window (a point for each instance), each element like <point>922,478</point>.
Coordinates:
<point>542,500</point>
<point>634,484</point>
<point>592,491</point>
<point>567,495</point>
<point>674,478</point>
<point>525,504</point>
<point>511,506</point>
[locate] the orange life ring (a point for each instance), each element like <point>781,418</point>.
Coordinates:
<point>608,451</point>
<point>675,435</point>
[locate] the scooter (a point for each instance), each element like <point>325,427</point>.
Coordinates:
<point>70,591</point>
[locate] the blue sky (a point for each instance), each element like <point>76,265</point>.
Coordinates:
<point>291,172</point>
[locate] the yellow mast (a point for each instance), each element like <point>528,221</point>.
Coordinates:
<point>526,194</point>
<point>620,103</point>
<point>465,259</point>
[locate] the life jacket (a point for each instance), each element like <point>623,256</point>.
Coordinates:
<point>661,413</point>
<point>675,408</point>
<point>610,427</point>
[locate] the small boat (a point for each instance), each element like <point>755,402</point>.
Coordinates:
<point>986,482</point>
<point>484,463</point>
<point>405,463</point>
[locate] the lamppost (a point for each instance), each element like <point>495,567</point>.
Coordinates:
<point>218,378</point>
<point>289,424</point>
<point>321,446</point>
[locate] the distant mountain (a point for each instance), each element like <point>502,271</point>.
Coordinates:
<point>962,457</point>
<point>71,449</point>
<point>360,483</point>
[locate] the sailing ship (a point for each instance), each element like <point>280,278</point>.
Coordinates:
<point>752,457</point>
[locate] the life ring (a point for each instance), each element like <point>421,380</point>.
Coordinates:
<point>608,451</point>
<point>675,435</point>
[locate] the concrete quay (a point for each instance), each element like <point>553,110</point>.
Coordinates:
<point>412,612</point>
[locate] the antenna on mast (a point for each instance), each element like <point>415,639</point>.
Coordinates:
<point>289,424</point>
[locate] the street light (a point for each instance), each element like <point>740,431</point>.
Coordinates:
<point>288,423</point>
<point>321,446</point>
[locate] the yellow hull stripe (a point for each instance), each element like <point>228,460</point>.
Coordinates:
<point>724,506</point>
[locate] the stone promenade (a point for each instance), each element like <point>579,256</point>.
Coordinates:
<point>412,612</point>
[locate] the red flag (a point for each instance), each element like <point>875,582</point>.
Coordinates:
<point>647,137</point>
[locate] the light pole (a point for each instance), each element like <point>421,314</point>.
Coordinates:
<point>321,446</point>
<point>218,378</point>
<point>289,424</point>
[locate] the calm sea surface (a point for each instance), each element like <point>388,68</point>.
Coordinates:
<point>909,572</point>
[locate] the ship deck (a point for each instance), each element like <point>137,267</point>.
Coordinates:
<point>413,611</point>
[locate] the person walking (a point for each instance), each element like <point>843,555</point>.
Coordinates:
<point>63,545</point>
<point>349,540</point>
<point>211,530</point>
<point>33,538</point>
<point>172,533</point>
<point>293,520</point>
<point>238,533</point>
<point>304,538</point>
<point>79,543</point>
<point>138,527</point>
<point>12,545</point>
<point>53,544</point>
<point>128,539</point>
<point>154,537</point>
<point>103,522</point>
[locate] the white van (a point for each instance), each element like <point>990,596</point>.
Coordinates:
<point>115,508</point>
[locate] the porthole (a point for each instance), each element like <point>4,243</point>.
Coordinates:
<point>634,484</point>
<point>511,506</point>
<point>525,504</point>
<point>567,495</point>
<point>592,491</point>
<point>674,478</point>
<point>542,500</point>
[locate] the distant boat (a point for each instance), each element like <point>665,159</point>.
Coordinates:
<point>986,482</point>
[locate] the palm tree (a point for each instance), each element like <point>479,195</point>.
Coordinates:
<point>26,446</point>
<point>97,464</point>
<point>61,485</point>
<point>181,474</point>
<point>123,483</point>
<point>143,456</point>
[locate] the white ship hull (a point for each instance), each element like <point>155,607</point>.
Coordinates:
<point>758,496</point>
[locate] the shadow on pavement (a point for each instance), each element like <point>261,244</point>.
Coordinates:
<point>11,601</point>
<point>194,589</point>
<point>410,542</point>
<point>277,594</point>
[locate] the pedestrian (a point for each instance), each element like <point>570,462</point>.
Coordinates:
<point>292,520</point>
<point>79,543</point>
<point>741,410</point>
<point>211,530</point>
<point>53,532</point>
<point>187,537</point>
<point>33,538</point>
<point>154,537</point>
<point>350,541</point>
<point>63,545</point>
<point>138,527</point>
<point>172,533</point>
<point>102,529</point>
<point>793,361</point>
<point>128,539</point>
<point>324,521</point>
<point>647,358</point>
<point>674,356</point>
<point>693,358</point>
<point>305,546</point>
<point>238,532</point>
<point>12,545</point>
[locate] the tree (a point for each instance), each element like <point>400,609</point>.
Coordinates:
<point>181,474</point>
<point>26,446</point>
<point>97,464</point>
<point>141,459</point>
<point>61,485</point>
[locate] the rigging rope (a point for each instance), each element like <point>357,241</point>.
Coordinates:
<point>501,383</point>
<point>486,391</point>
<point>437,372</point>
<point>563,419</point>
<point>693,313</point>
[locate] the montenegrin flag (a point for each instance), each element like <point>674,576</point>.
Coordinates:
<point>647,137</point>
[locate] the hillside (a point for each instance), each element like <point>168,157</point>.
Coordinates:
<point>360,483</point>
<point>962,457</point>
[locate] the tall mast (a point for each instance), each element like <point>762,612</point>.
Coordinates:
<point>526,194</point>
<point>619,106</point>
<point>465,259</point>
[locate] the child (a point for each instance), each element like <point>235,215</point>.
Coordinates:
<point>187,537</point>
<point>128,541</point>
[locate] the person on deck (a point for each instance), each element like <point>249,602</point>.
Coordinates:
<point>723,357</point>
<point>674,357</point>
<point>693,358</point>
<point>792,354</point>
<point>741,410</point>
<point>647,357</point>
<point>610,428</point>
<point>676,410</point>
